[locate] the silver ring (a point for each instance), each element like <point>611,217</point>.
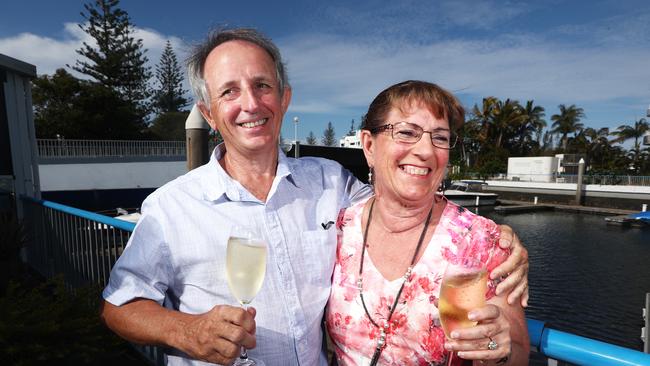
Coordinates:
<point>492,345</point>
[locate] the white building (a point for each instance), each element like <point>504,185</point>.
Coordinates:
<point>351,141</point>
<point>533,169</point>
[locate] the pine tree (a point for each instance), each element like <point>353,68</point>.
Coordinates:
<point>352,131</point>
<point>311,139</point>
<point>169,97</point>
<point>117,61</point>
<point>329,136</point>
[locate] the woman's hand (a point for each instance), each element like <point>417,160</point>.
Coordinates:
<point>515,268</point>
<point>477,343</point>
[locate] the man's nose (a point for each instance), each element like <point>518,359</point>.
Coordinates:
<point>249,100</point>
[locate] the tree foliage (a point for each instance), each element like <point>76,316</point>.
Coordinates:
<point>117,60</point>
<point>329,136</point>
<point>311,139</point>
<point>169,126</point>
<point>567,122</point>
<point>80,109</point>
<point>169,95</point>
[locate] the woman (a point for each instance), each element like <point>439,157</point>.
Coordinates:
<point>394,247</point>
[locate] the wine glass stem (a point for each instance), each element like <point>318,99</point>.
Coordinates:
<point>451,356</point>
<point>243,354</point>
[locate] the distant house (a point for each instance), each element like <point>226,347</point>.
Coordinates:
<point>351,141</point>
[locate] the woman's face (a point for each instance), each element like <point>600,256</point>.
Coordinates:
<point>408,173</point>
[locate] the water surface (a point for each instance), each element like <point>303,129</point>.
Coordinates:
<point>586,277</point>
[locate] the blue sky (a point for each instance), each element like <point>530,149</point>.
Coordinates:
<point>340,54</point>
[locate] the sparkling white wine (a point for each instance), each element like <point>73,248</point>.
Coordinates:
<point>459,294</point>
<point>245,267</point>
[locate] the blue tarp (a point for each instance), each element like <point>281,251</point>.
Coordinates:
<point>641,216</point>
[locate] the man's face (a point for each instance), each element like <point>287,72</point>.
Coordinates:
<point>246,105</point>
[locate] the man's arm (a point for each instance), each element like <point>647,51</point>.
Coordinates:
<point>215,336</point>
<point>515,268</point>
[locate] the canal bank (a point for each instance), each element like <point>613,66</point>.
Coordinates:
<point>630,198</point>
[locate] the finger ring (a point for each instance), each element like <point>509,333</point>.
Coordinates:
<point>492,345</point>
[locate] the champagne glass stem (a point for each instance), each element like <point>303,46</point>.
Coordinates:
<point>451,356</point>
<point>243,355</point>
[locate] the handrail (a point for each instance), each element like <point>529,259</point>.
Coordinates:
<point>120,224</point>
<point>581,350</point>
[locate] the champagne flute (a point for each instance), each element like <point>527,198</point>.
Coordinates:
<point>245,270</point>
<point>464,284</point>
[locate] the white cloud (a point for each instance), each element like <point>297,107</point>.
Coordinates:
<point>343,73</point>
<point>49,54</point>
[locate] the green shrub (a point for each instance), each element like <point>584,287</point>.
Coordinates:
<point>50,324</point>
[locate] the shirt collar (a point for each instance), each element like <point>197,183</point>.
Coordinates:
<point>217,183</point>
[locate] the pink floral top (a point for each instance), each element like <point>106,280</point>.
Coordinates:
<point>415,336</point>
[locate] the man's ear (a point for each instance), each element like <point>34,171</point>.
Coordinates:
<point>286,99</point>
<point>368,145</point>
<point>205,112</point>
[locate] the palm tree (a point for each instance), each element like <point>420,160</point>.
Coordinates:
<point>568,121</point>
<point>483,118</point>
<point>535,117</point>
<point>528,132</point>
<point>625,132</point>
<point>499,120</point>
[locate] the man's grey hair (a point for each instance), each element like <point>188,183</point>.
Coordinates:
<point>200,52</point>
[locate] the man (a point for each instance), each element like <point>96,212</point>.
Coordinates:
<point>176,254</point>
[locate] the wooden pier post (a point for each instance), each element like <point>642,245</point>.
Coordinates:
<point>581,171</point>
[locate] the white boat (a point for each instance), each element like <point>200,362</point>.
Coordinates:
<point>469,193</point>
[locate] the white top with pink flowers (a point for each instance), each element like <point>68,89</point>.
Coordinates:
<point>414,336</point>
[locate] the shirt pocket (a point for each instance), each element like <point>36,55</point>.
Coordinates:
<point>319,254</point>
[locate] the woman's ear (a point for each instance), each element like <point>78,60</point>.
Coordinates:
<point>368,145</point>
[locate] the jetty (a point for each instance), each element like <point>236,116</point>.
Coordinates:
<point>613,215</point>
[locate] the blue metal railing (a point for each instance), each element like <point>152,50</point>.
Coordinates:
<point>579,350</point>
<point>72,237</point>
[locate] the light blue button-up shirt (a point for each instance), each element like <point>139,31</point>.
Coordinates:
<point>177,252</point>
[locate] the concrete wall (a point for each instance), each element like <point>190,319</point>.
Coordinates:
<point>623,197</point>
<point>100,176</point>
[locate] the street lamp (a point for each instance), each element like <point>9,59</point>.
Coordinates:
<point>646,138</point>
<point>295,136</point>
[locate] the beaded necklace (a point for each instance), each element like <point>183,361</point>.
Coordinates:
<point>381,342</point>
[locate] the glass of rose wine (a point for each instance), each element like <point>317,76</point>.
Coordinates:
<point>464,284</point>
<point>245,270</point>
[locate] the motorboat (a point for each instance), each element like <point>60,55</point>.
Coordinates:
<point>468,193</point>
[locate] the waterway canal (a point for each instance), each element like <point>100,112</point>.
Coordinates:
<point>586,277</point>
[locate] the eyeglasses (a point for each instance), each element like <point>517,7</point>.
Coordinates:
<point>410,133</point>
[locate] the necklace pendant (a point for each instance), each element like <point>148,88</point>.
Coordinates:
<point>381,342</point>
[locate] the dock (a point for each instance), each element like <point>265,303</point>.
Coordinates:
<point>520,208</point>
<point>614,216</point>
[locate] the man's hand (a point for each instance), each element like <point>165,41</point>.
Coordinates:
<point>218,335</point>
<point>515,268</point>
<point>215,336</point>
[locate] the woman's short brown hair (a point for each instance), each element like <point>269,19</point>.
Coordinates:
<point>440,102</point>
